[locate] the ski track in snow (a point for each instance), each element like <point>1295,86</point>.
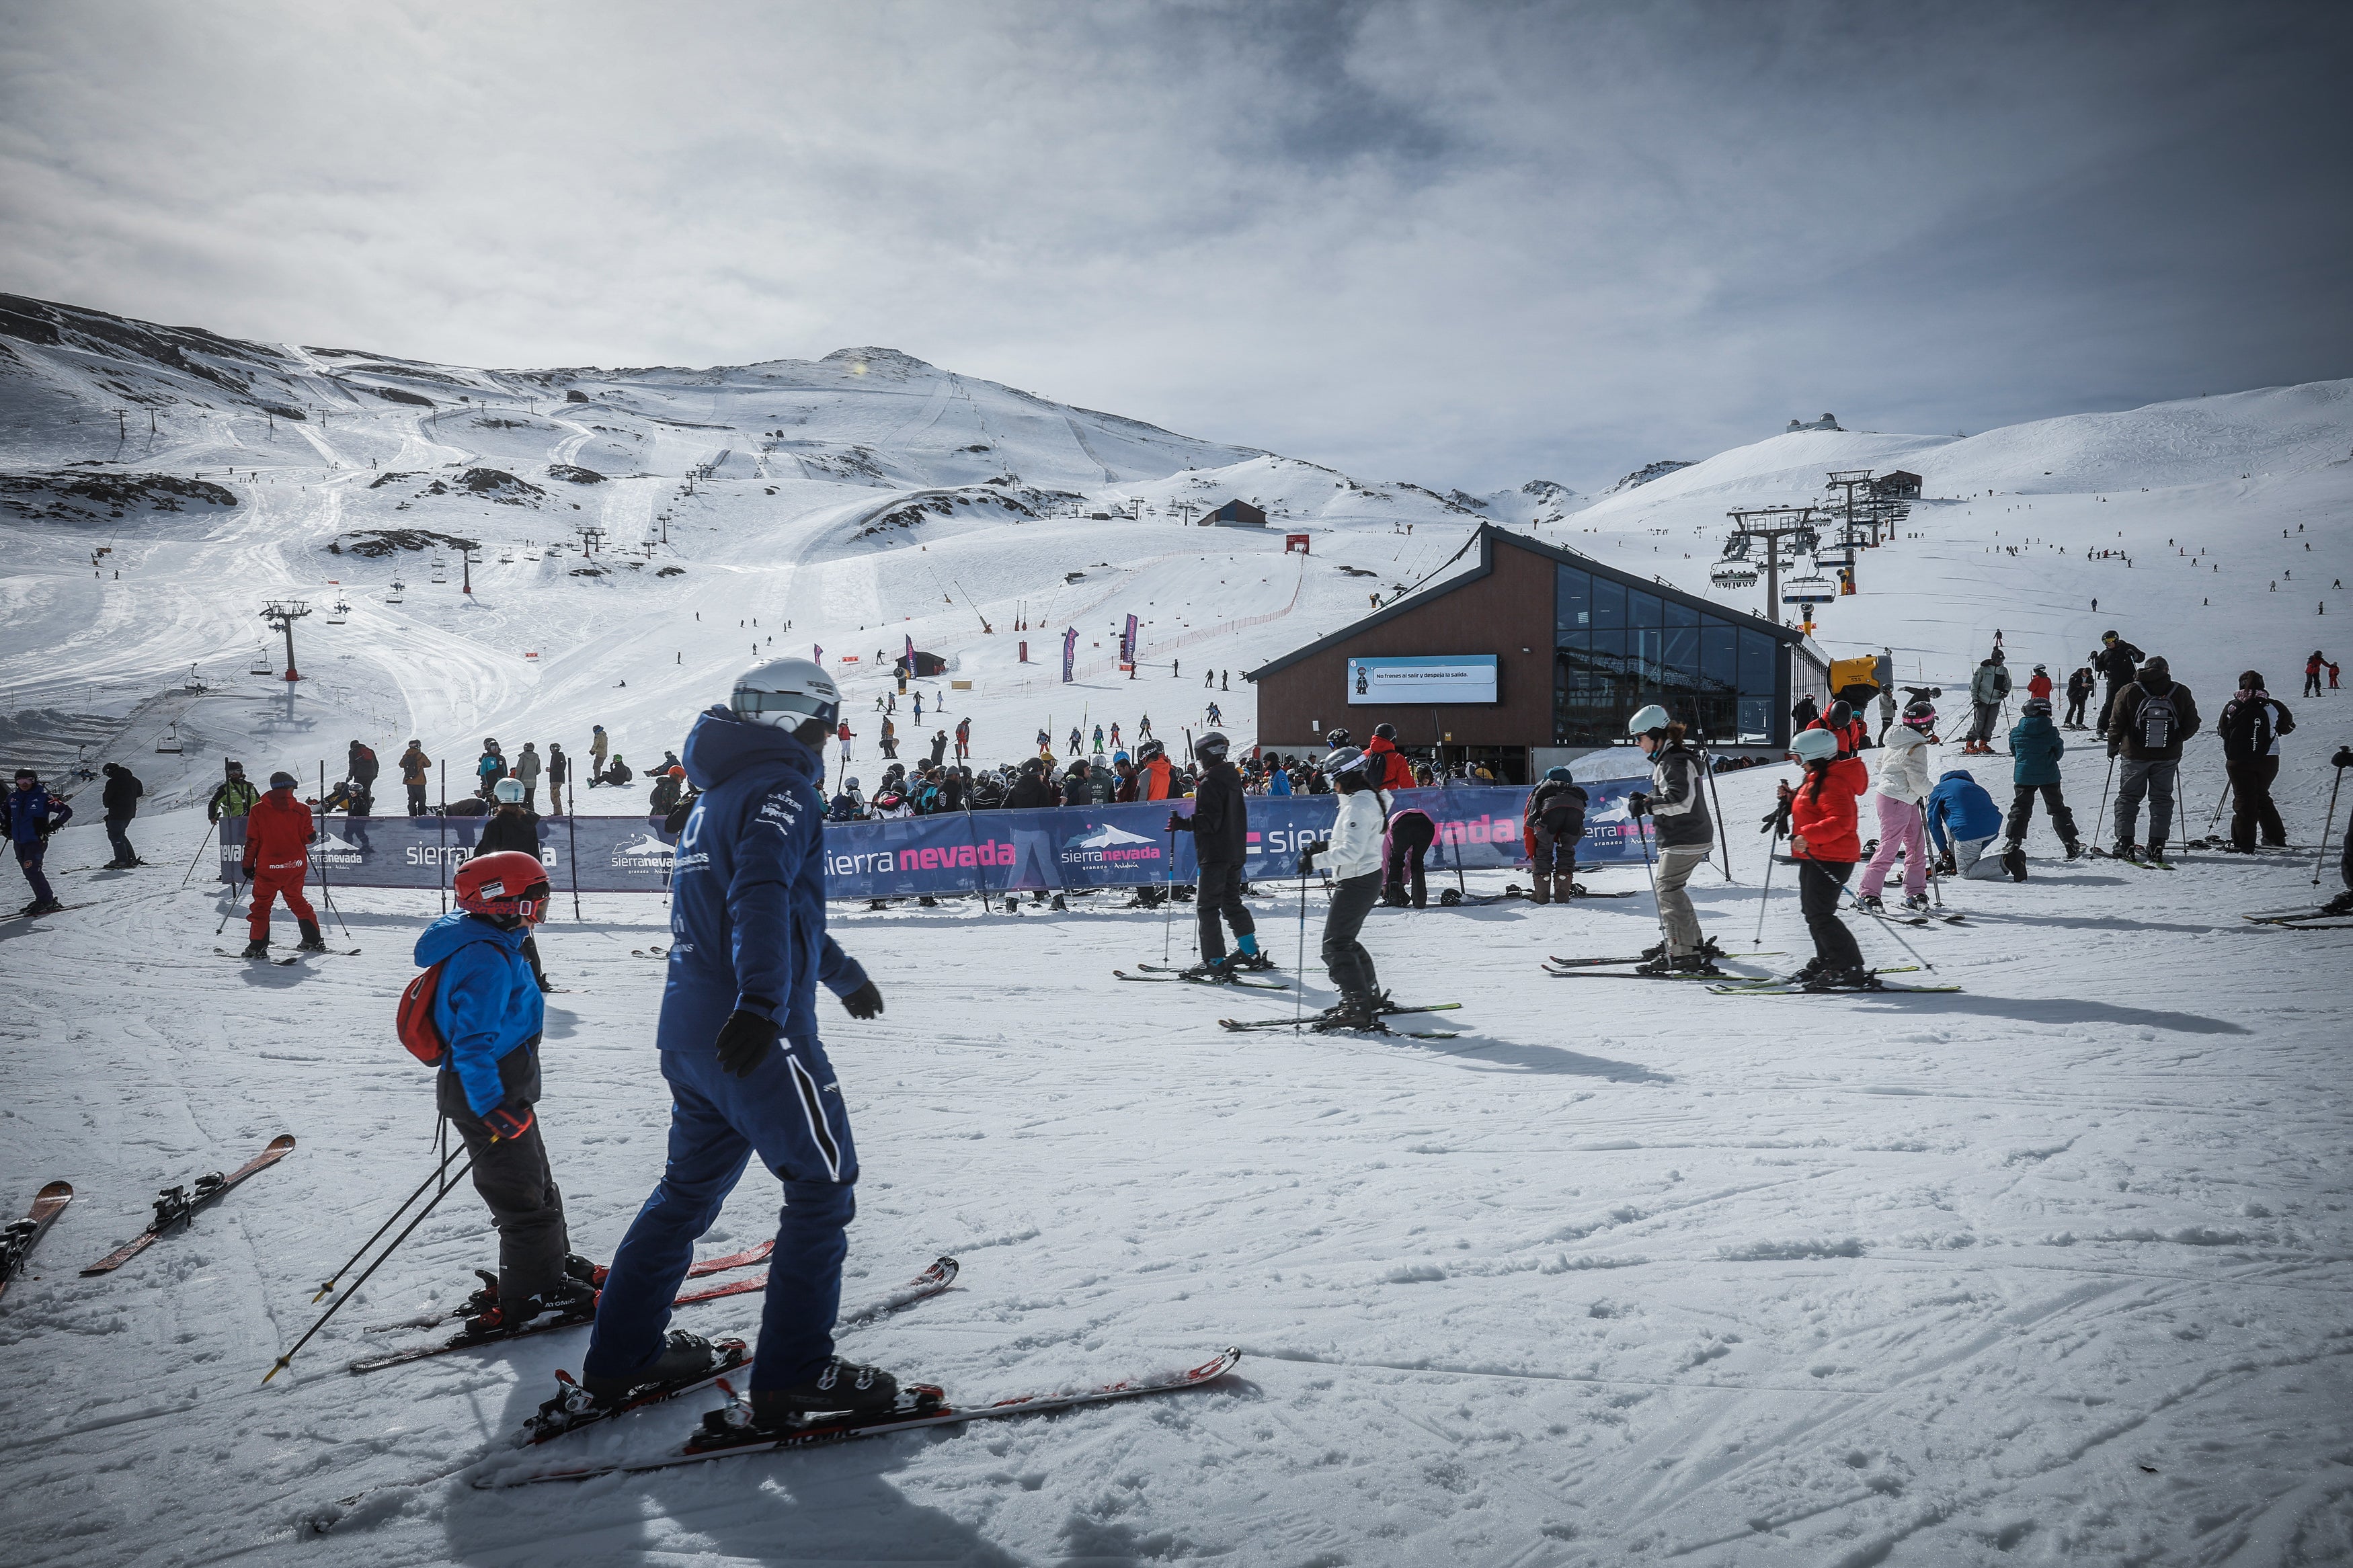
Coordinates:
<point>2056,1268</point>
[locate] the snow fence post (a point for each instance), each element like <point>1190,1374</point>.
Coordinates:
<point>572,853</point>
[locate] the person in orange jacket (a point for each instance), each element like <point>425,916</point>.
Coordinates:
<point>1156,776</point>
<point>1823,839</point>
<point>278,835</point>
<point>2038,686</point>
<point>1384,763</point>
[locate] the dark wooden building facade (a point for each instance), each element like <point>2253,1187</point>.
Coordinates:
<point>1579,646</point>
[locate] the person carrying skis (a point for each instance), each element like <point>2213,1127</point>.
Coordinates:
<point>1676,804</point>
<point>1823,841</point>
<point>527,770</point>
<point>1902,790</point>
<point>2117,661</point>
<point>747,1073</point>
<point>2250,726</point>
<point>488,1012</point>
<point>121,801</point>
<point>2148,722</point>
<point>1964,822</point>
<point>2035,747</point>
<point>2080,687</point>
<point>1553,828</point>
<point>33,814</point>
<point>1988,688</point>
<point>414,769</point>
<point>1385,764</point>
<point>278,833</point>
<point>1220,823</point>
<point>1353,857</point>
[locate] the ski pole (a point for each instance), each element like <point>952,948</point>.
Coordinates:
<point>2326,826</point>
<point>1666,945</point>
<point>1715,803</point>
<point>1299,991</point>
<point>199,853</point>
<point>372,1240</point>
<point>279,1365</point>
<point>1168,898</point>
<point>1772,853</point>
<point>1889,926</point>
<point>2101,815</point>
<point>2216,815</point>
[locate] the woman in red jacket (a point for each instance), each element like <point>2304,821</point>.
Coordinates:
<point>1822,838</point>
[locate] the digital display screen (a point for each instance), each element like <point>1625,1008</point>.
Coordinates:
<point>1424,681</point>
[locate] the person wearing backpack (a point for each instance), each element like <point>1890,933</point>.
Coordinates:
<point>476,1015</point>
<point>414,767</point>
<point>360,765</point>
<point>748,1073</point>
<point>121,801</point>
<point>2250,726</point>
<point>2147,724</point>
<point>1554,829</point>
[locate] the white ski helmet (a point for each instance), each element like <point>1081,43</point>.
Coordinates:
<point>785,694</point>
<point>1814,746</point>
<point>509,791</point>
<point>1650,721</point>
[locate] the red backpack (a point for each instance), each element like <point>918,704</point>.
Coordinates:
<point>417,1029</point>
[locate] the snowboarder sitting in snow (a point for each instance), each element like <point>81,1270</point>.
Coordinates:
<point>620,773</point>
<point>487,1009</point>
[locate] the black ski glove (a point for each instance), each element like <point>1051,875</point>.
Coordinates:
<point>1638,804</point>
<point>2343,759</point>
<point>864,1003</point>
<point>1307,856</point>
<point>1179,823</point>
<point>744,1041</point>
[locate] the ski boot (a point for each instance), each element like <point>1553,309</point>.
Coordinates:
<point>2342,904</point>
<point>1871,903</point>
<point>572,1299</point>
<point>311,941</point>
<point>683,1360</point>
<point>44,907</point>
<point>1915,904</point>
<point>1250,961</point>
<point>1808,973</point>
<point>1355,1010</point>
<point>1393,896</point>
<point>2126,852</point>
<point>844,1386</point>
<point>258,948</point>
<point>2013,860</point>
<point>2074,849</point>
<point>1843,980</point>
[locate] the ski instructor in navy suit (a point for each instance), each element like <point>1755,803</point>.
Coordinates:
<point>739,1048</point>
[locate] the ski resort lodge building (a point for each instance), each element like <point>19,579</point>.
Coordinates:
<point>1536,655</point>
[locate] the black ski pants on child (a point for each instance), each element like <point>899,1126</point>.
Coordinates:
<point>514,1179</point>
<point>1410,837</point>
<point>1345,958</point>
<point>1221,894</point>
<point>1820,885</point>
<point>2252,807</point>
<point>2021,812</point>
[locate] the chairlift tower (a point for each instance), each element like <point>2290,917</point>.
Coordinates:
<point>282,613</point>
<point>1769,526</point>
<point>1849,480</point>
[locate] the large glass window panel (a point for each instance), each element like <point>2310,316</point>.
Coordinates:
<point>1644,609</point>
<point>1680,614</point>
<point>1572,599</point>
<point>1608,602</point>
<point>1760,665</point>
<point>1755,719</point>
<point>1681,657</point>
<point>1719,655</point>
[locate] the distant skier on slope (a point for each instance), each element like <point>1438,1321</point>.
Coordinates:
<point>278,835</point>
<point>748,1073</point>
<point>487,1009</point>
<point>1219,825</point>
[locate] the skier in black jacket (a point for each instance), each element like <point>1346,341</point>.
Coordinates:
<point>1220,828</point>
<point>1554,828</point>
<point>2117,661</point>
<point>121,801</point>
<point>512,826</point>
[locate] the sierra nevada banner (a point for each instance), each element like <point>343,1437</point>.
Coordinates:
<point>970,852</point>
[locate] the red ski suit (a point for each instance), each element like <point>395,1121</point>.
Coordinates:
<point>277,857</point>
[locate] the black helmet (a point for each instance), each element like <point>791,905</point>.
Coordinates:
<point>1213,746</point>
<point>1151,750</point>
<point>1384,732</point>
<point>1337,739</point>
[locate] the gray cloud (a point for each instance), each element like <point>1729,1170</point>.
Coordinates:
<point>1467,243</point>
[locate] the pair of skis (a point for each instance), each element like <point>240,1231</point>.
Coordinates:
<point>1903,916</point>
<point>1323,1024</point>
<point>19,1236</point>
<point>731,1430</point>
<point>299,955</point>
<point>2313,917</point>
<point>1164,974</point>
<point>177,1208</point>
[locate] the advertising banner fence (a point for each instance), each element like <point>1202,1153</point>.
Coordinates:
<point>971,851</point>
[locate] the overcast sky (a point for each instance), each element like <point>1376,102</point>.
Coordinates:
<point>1463,244</point>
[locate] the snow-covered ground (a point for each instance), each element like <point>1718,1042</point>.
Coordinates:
<point>2052,1269</point>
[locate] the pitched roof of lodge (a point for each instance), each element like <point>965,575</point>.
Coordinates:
<point>1485,539</point>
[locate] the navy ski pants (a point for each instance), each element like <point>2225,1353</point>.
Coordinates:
<point>789,1112</point>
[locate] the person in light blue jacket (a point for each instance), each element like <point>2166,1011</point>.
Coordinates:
<point>1964,822</point>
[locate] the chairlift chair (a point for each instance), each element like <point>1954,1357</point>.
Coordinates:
<point>262,665</point>
<point>171,741</point>
<point>1733,573</point>
<point>1810,589</point>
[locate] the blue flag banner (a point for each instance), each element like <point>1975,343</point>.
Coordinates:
<point>1478,829</point>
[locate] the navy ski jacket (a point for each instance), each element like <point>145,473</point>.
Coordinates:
<point>487,1007</point>
<point>747,896</point>
<point>31,811</point>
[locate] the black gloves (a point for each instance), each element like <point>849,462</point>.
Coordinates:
<point>1307,856</point>
<point>508,1122</point>
<point>2343,759</point>
<point>1179,823</point>
<point>744,1041</point>
<point>1638,804</point>
<point>865,1001</point>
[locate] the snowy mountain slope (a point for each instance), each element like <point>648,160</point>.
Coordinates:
<point>2055,1266</point>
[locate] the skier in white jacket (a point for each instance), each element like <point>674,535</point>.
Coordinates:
<point>1905,780</point>
<point>1353,855</point>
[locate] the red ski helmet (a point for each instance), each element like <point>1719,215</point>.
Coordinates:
<point>508,884</point>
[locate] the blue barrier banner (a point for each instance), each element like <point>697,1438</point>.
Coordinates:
<point>1478,829</point>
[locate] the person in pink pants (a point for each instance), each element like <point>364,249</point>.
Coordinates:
<point>1902,791</point>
